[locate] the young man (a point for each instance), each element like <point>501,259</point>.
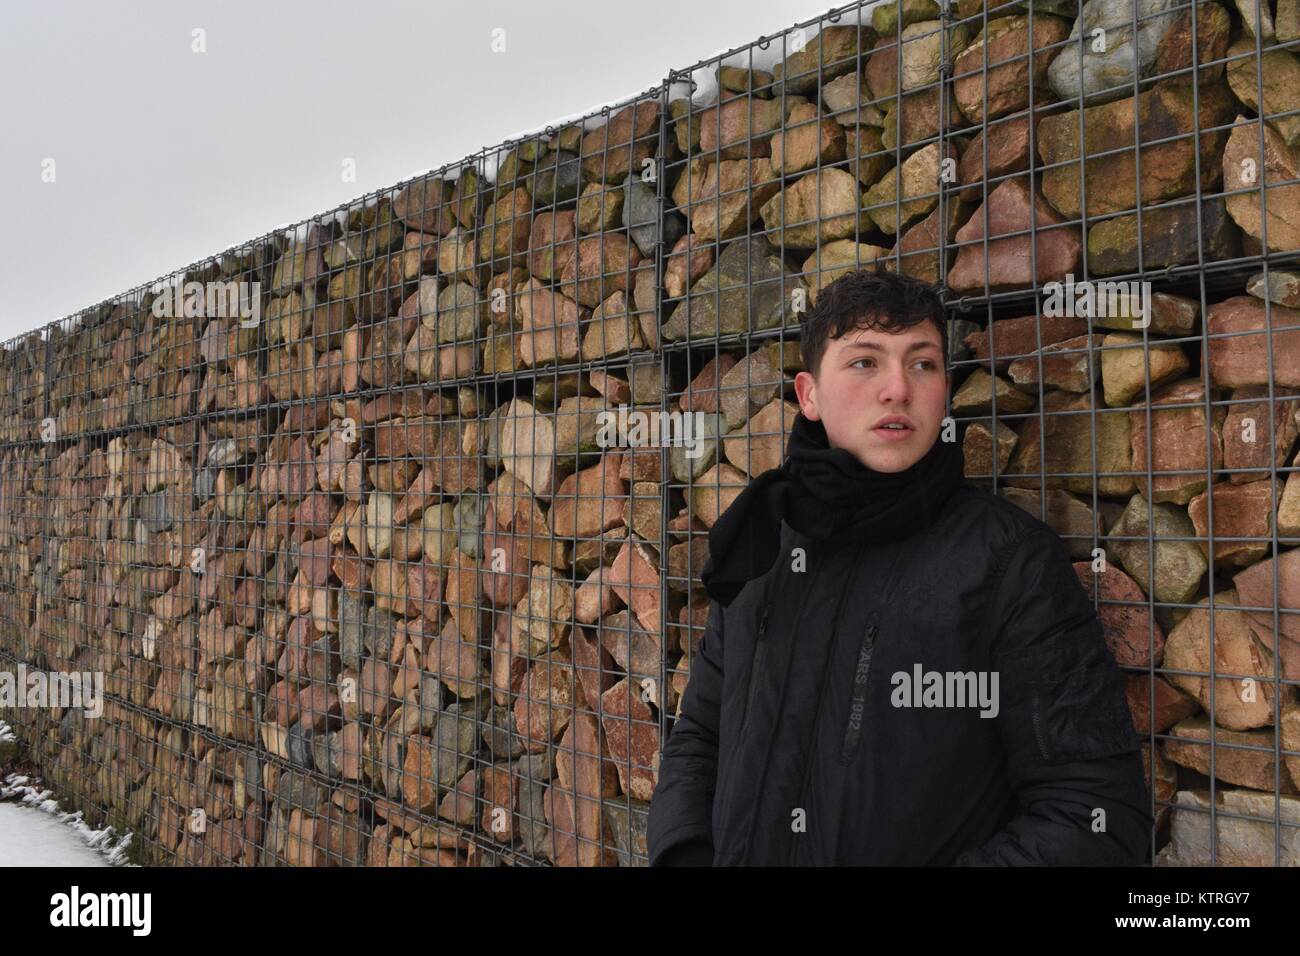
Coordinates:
<point>897,668</point>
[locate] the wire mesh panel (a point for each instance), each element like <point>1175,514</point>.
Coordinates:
<point>378,541</point>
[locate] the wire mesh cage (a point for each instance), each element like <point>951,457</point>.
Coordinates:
<point>377,541</point>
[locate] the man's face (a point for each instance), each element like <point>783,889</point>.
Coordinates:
<point>868,377</point>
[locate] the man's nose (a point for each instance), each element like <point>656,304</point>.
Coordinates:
<point>896,386</point>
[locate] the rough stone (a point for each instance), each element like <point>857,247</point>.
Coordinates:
<point>832,52</point>
<point>1238,704</point>
<point>1171,235</point>
<point>749,287</point>
<point>1244,834</point>
<point>910,191</point>
<point>808,139</point>
<point>1177,415</point>
<point>1281,73</point>
<point>1068,364</point>
<point>1245,169</point>
<point>1067,442</point>
<point>1241,358</point>
<point>1007,43</point>
<point>1240,511</point>
<point>1179,565</point>
<point>1255,437</point>
<point>1108,69</point>
<point>1233,763</point>
<point>1008,142</point>
<point>1168,168</point>
<point>1015,261</point>
<point>817,207</point>
<point>1127,365</point>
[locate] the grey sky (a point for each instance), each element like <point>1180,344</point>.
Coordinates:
<point>163,156</point>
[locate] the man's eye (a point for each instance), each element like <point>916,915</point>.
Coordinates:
<point>928,363</point>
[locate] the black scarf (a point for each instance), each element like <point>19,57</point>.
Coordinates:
<point>824,493</point>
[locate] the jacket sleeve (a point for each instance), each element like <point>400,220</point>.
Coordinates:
<point>1073,757</point>
<point>681,807</point>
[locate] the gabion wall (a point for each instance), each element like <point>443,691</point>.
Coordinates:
<point>384,535</point>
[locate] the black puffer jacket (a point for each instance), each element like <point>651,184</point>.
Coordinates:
<point>789,748</point>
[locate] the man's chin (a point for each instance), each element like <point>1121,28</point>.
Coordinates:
<point>886,464</point>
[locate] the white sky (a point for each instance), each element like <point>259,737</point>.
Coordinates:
<point>164,156</point>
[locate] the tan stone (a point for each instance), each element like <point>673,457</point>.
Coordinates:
<point>1127,366</point>
<point>739,128</point>
<point>1240,511</point>
<point>1245,171</point>
<point>760,444</point>
<point>528,446</point>
<point>1238,704</point>
<point>806,140</point>
<point>910,191</point>
<point>1190,747</point>
<point>589,501</point>
<point>714,492</point>
<point>1068,364</point>
<point>545,611</point>
<point>611,331</point>
<point>1067,441</point>
<point>978,446</point>
<point>834,259</point>
<point>978,394</point>
<point>817,207</point>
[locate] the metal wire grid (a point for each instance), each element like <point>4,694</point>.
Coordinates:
<point>255,419</point>
<point>1192,267</point>
<point>273,403</point>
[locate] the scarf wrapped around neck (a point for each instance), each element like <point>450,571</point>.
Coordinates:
<point>824,493</point>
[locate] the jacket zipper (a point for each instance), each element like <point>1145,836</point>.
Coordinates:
<point>858,700</point>
<point>760,648</point>
<point>1038,731</point>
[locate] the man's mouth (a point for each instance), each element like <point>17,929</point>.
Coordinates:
<point>895,432</point>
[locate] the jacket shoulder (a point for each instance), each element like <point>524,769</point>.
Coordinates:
<point>988,517</point>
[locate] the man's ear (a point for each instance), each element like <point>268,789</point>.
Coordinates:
<point>805,389</point>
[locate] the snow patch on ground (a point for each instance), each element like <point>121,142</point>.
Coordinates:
<point>35,832</point>
<point>30,838</point>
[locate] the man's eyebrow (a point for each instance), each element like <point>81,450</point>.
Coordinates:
<point>877,347</point>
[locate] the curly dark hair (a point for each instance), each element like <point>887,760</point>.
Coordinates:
<point>878,299</point>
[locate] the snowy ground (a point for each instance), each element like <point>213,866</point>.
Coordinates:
<point>29,837</point>
<point>35,832</point>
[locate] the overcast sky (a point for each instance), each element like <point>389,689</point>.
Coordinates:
<point>163,156</point>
